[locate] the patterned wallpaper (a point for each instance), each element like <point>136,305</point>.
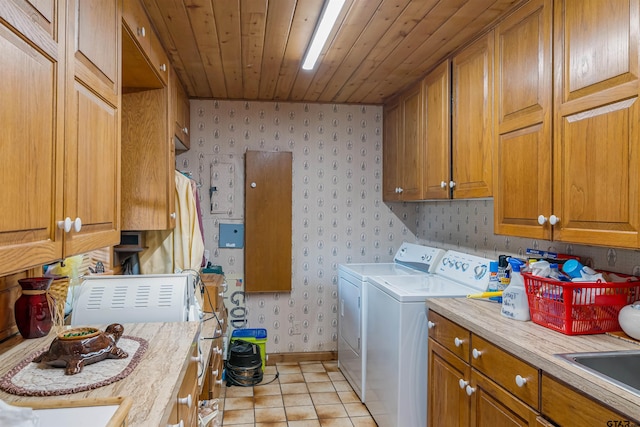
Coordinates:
<point>338,212</point>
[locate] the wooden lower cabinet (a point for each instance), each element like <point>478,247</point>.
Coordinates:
<point>565,406</point>
<point>184,410</point>
<point>466,390</point>
<point>448,403</point>
<point>472,382</point>
<point>212,384</point>
<point>188,393</point>
<point>492,405</point>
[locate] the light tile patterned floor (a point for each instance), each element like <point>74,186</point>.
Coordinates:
<point>306,394</point>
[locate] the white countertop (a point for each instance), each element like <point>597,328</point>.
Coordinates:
<point>537,345</point>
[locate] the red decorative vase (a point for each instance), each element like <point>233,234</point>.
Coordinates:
<point>31,310</point>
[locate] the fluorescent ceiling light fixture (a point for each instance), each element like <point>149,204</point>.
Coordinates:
<point>327,21</point>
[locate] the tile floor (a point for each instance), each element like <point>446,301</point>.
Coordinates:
<point>306,394</point>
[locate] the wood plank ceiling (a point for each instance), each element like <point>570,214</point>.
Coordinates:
<point>253,49</point>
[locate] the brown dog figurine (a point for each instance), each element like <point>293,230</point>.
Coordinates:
<point>74,348</point>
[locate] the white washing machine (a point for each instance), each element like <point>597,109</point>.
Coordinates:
<point>410,260</point>
<point>396,370</point>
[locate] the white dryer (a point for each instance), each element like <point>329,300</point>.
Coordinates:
<point>410,260</point>
<point>396,371</point>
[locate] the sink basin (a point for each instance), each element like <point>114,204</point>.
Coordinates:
<point>621,368</point>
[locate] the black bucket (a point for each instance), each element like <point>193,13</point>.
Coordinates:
<point>244,364</point>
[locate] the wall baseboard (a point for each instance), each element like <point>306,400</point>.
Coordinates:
<point>314,356</point>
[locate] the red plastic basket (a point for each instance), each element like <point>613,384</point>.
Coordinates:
<point>579,308</point>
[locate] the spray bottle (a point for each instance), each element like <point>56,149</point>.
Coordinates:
<point>515,304</point>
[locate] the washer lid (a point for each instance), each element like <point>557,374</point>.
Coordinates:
<point>419,288</point>
<point>363,271</point>
<point>409,259</point>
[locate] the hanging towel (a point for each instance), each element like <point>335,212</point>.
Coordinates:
<point>187,240</point>
<point>179,249</point>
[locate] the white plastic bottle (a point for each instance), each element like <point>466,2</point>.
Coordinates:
<point>514,298</point>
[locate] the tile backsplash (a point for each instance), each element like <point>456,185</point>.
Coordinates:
<point>338,212</point>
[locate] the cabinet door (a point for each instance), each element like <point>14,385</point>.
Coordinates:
<point>566,407</point>
<point>522,110</point>
<point>596,157</point>
<point>148,162</point>
<point>188,392</point>
<point>32,140</point>
<point>391,146</point>
<point>472,120</point>
<point>92,138</point>
<point>493,406</point>
<point>448,404</point>
<point>181,112</point>
<point>436,91</point>
<point>268,204</point>
<point>412,153</point>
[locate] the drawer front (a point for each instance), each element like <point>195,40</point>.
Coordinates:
<point>516,376</point>
<point>450,335</point>
<point>565,406</point>
<point>188,393</point>
<point>136,19</point>
<point>158,58</point>
<point>217,366</point>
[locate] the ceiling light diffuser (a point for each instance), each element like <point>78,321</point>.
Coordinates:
<point>327,21</point>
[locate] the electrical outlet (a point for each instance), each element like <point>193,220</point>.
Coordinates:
<point>297,327</point>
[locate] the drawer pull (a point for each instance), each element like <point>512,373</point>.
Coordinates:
<point>214,373</point>
<point>520,382</point>
<point>430,324</point>
<point>180,424</point>
<point>186,400</point>
<point>218,382</point>
<point>142,32</point>
<point>196,358</point>
<point>470,390</point>
<point>463,383</point>
<point>476,353</point>
<point>457,341</point>
<point>217,350</point>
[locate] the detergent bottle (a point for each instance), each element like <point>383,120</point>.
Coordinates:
<point>515,304</point>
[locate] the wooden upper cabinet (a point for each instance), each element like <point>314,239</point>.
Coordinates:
<point>148,162</point>
<point>144,62</point>
<point>32,89</point>
<point>391,151</point>
<point>596,157</point>
<point>61,138</point>
<point>522,110</point>
<point>267,237</point>
<point>412,153</point>
<point>436,89</point>
<point>136,21</point>
<point>92,136</point>
<point>472,127</point>
<point>181,113</point>
<point>403,147</point>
